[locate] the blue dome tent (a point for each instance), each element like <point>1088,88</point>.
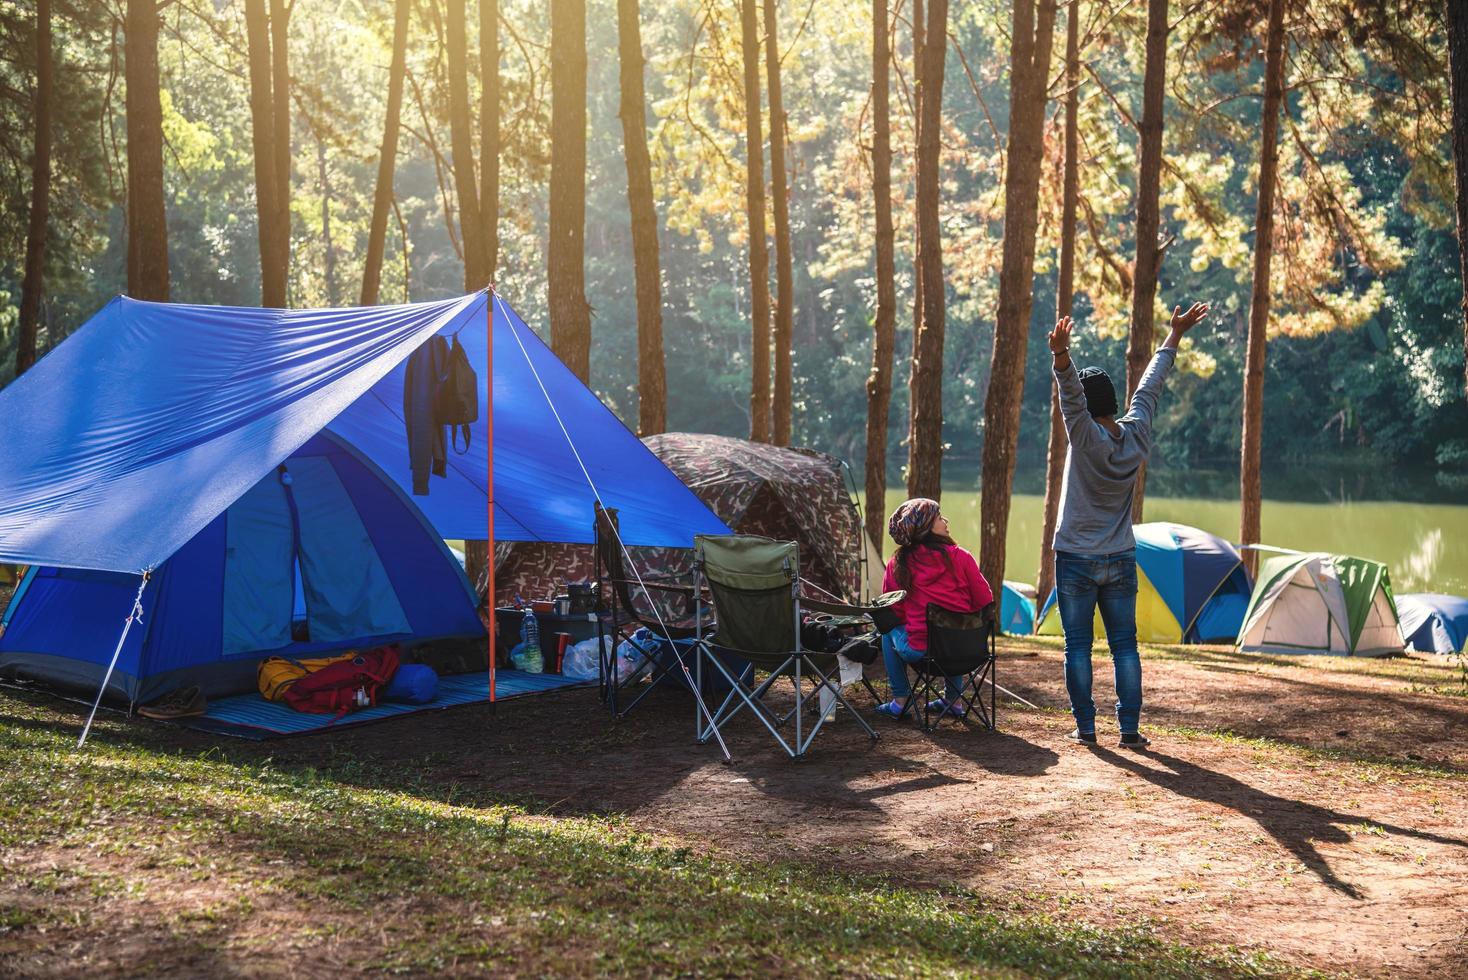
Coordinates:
<point>158,424</point>
<point>1434,623</point>
<point>1192,587</point>
<point>1016,610</point>
<point>326,524</point>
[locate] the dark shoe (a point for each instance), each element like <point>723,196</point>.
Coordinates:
<point>1082,738</point>
<point>941,707</point>
<point>185,702</point>
<point>1134,740</point>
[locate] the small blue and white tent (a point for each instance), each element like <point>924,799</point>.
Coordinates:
<point>1433,623</point>
<point>158,438</point>
<point>1016,610</point>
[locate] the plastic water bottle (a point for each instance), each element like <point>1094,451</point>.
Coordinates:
<point>531,660</point>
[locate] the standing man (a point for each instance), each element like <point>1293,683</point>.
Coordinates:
<point>1095,553</point>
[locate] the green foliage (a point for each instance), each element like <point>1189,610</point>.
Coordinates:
<point>1364,243</point>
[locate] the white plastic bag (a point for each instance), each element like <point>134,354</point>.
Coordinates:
<point>581,661</point>
<point>633,656</point>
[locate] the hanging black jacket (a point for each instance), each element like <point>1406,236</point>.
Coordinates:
<point>425,437</point>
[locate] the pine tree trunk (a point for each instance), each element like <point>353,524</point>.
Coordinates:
<point>759,248</point>
<point>1064,295</point>
<point>32,285</point>
<point>1033,34</point>
<point>476,553</point>
<point>147,222</point>
<point>262,128</point>
<point>461,141</point>
<point>570,317</point>
<point>925,467</point>
<point>784,272</point>
<point>387,157</point>
<point>879,382</point>
<point>918,25</point>
<point>1457,24</point>
<point>281,94</point>
<point>1250,453</point>
<point>1149,174</point>
<point>489,136</point>
<point>652,387</point>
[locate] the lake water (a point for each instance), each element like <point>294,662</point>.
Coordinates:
<point>1424,544</point>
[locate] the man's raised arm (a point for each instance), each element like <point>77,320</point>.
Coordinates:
<point>1149,389</point>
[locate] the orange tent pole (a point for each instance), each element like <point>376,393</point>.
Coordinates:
<point>489,450</point>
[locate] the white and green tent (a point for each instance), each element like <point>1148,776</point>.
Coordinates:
<point>1319,603</point>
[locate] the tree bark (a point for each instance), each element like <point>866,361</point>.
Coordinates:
<point>32,283</point>
<point>884,342</point>
<point>1064,295</point>
<point>652,386</point>
<point>280,15</point>
<point>925,467</point>
<point>461,142</point>
<point>387,157</point>
<point>147,222</point>
<point>784,273</point>
<point>267,177</point>
<point>1250,452</point>
<point>1033,33</point>
<point>476,553</point>
<point>917,258</point>
<point>489,136</point>
<point>759,254</point>
<point>1149,173</point>
<point>570,317</point>
<point>1457,24</point>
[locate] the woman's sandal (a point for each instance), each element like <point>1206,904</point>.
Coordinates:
<point>892,709</point>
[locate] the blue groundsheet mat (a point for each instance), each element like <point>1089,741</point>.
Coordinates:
<point>251,716</point>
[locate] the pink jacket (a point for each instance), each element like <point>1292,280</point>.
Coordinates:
<point>963,589</point>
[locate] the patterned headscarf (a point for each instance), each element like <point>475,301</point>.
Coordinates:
<point>911,520</point>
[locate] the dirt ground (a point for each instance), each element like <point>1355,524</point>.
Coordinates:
<point>1332,832</point>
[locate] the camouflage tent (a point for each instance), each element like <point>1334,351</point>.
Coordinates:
<point>785,493</point>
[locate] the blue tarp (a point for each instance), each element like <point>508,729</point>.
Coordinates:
<point>151,420</point>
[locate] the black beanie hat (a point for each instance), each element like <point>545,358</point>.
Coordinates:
<point>1100,393</point>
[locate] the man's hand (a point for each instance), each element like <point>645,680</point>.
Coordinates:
<point>1060,342</point>
<point>1182,322</point>
<point>1060,336</point>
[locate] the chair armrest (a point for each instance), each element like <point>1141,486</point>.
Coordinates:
<point>653,584</point>
<point>834,608</point>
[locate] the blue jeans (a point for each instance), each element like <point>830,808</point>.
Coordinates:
<point>897,653</point>
<point>1083,582</point>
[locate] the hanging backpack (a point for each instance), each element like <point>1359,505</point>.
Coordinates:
<point>456,399</point>
<point>346,684</point>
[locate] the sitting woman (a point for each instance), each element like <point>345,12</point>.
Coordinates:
<point>931,568</point>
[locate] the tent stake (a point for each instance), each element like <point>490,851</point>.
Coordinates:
<point>134,615</point>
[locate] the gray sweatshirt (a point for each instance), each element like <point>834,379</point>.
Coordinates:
<point>1101,469</point>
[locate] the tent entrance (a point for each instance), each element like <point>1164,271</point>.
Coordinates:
<point>296,550</point>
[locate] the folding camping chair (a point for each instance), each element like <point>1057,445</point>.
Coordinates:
<point>755,586</point>
<point>960,644</point>
<point>624,616</point>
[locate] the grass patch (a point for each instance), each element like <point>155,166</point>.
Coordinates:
<point>410,875</point>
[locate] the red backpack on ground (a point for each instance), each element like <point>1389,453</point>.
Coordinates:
<point>334,689</point>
